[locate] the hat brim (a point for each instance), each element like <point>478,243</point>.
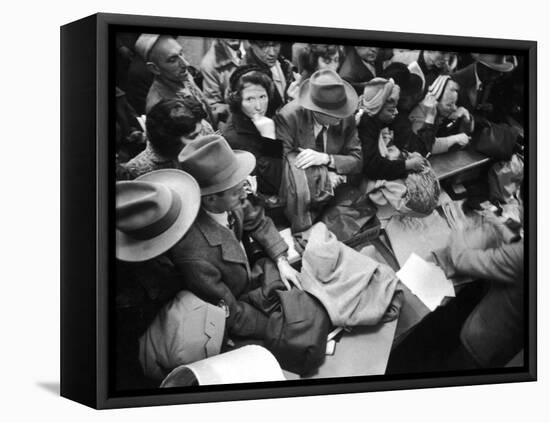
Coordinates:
<point>304,100</point>
<point>499,67</point>
<point>246,162</point>
<point>185,186</point>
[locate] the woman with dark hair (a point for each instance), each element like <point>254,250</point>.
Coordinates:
<point>171,124</point>
<point>250,127</point>
<point>320,56</point>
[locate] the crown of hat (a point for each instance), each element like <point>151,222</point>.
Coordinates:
<point>208,159</point>
<point>327,89</point>
<point>145,209</point>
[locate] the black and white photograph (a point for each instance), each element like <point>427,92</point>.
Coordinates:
<point>277,212</point>
<point>290,209</point>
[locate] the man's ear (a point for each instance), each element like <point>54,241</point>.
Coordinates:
<point>153,68</point>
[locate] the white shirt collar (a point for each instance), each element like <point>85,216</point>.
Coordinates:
<point>221,218</point>
<point>478,81</point>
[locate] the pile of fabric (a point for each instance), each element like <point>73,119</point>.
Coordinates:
<point>354,289</point>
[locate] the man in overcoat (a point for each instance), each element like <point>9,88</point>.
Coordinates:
<point>211,257</point>
<point>164,58</point>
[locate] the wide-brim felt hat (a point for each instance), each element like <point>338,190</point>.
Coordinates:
<point>215,166</point>
<point>497,62</point>
<point>147,243</point>
<point>326,92</point>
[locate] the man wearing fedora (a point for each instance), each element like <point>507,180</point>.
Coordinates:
<point>153,212</point>
<point>320,125</point>
<point>320,128</point>
<point>477,80</point>
<point>164,58</point>
<point>211,257</point>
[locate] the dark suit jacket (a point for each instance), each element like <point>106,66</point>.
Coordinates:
<point>294,126</point>
<point>354,71</point>
<point>491,93</point>
<point>214,265</point>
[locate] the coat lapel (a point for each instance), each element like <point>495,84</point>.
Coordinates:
<point>305,130</point>
<point>214,327</point>
<point>466,79</point>
<point>217,235</point>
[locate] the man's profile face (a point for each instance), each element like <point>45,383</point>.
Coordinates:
<point>229,199</point>
<point>368,54</point>
<point>326,120</point>
<point>266,51</point>
<point>447,105</point>
<point>440,59</point>
<point>168,60</point>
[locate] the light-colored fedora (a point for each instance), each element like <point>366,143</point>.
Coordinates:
<point>154,212</point>
<point>326,92</point>
<point>214,165</point>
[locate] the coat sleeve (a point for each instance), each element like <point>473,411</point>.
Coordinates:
<point>205,280</point>
<point>262,230</point>
<point>285,129</point>
<point>211,85</point>
<point>211,88</point>
<point>350,160</point>
<point>502,264</point>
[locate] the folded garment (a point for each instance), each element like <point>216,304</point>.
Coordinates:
<point>355,289</point>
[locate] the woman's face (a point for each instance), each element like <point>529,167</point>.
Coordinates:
<point>332,62</point>
<point>388,112</point>
<point>447,105</point>
<point>254,100</point>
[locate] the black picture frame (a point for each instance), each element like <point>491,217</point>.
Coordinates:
<point>87,196</point>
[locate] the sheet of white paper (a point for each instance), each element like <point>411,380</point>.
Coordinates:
<point>250,363</point>
<point>426,280</point>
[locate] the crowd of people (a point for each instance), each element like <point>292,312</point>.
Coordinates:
<point>213,135</point>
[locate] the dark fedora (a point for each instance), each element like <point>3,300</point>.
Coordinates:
<point>154,212</point>
<point>497,62</point>
<point>214,165</point>
<point>326,92</point>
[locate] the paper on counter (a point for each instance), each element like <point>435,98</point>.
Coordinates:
<point>426,280</point>
<point>251,363</point>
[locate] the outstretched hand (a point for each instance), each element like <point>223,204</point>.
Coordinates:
<point>288,274</point>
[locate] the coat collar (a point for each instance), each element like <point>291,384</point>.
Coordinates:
<point>217,235</point>
<point>214,327</point>
<point>353,68</point>
<point>243,124</point>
